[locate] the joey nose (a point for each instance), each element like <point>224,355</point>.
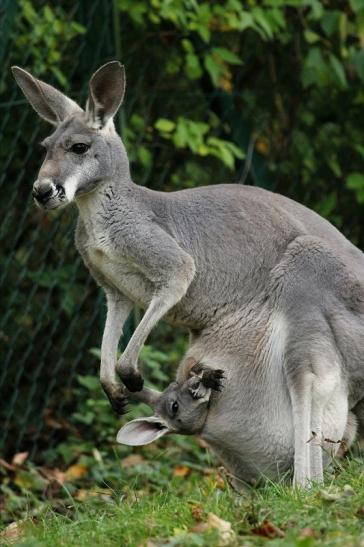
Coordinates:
<point>42,190</point>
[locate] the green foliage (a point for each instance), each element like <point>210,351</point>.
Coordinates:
<point>41,32</point>
<point>288,73</point>
<point>187,133</point>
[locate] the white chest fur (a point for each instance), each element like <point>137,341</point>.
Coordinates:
<point>112,265</point>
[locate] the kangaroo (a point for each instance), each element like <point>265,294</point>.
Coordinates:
<point>264,285</point>
<point>181,408</point>
<point>192,406</point>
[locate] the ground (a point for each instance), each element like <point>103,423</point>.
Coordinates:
<point>80,488</point>
<point>164,495</point>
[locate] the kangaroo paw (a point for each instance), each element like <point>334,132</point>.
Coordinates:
<point>212,378</point>
<point>132,380</point>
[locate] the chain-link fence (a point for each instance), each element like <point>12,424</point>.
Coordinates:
<point>52,313</point>
<point>51,310</point>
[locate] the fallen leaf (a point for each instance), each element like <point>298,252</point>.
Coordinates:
<point>223,526</point>
<point>19,459</point>
<point>75,472</point>
<point>197,512</point>
<point>52,475</point>
<point>268,530</point>
<point>308,533</point>
<point>102,493</point>
<point>181,471</point>
<point>200,528</point>
<point>12,532</point>
<point>132,460</point>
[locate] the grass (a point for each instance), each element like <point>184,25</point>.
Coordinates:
<point>176,512</point>
<point>88,491</point>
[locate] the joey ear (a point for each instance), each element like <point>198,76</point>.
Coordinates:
<point>106,93</point>
<point>142,431</point>
<point>48,102</point>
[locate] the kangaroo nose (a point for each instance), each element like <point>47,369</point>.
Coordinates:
<point>42,191</point>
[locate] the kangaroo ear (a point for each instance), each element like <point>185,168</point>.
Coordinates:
<point>142,431</point>
<point>106,93</point>
<point>48,102</point>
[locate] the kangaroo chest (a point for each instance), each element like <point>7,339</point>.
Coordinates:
<point>114,268</point>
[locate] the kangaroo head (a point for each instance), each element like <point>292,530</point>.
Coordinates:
<point>84,150</point>
<point>181,408</point>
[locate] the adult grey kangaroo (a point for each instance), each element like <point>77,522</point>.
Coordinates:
<point>270,291</point>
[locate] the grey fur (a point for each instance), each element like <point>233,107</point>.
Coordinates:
<point>181,408</point>
<point>270,291</point>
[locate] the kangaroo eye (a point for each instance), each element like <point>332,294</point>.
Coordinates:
<point>79,148</point>
<point>175,407</point>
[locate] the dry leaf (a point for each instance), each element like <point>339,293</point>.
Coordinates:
<point>308,533</point>
<point>52,475</point>
<point>132,460</point>
<point>75,472</point>
<point>12,532</point>
<point>197,512</point>
<point>214,522</point>
<point>268,530</point>
<point>19,459</point>
<point>262,146</point>
<point>102,493</point>
<point>223,526</point>
<point>200,528</point>
<point>181,471</point>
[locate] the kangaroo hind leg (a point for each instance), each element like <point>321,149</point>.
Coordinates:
<point>319,408</point>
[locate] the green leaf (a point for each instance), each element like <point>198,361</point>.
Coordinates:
<point>193,67</point>
<point>260,17</point>
<point>355,181</point>
<point>92,383</point>
<point>227,56</point>
<point>357,5</point>
<point>357,59</point>
<point>164,125</point>
<point>311,37</point>
<point>339,71</point>
<point>330,22</point>
<point>214,68</point>
<point>145,156</point>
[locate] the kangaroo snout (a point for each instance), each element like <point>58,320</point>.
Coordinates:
<point>43,189</point>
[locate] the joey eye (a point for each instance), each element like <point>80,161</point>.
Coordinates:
<point>174,407</point>
<point>79,148</point>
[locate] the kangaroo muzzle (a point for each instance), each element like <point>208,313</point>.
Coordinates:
<point>46,189</point>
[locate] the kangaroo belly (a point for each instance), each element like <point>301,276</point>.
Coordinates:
<point>252,440</point>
